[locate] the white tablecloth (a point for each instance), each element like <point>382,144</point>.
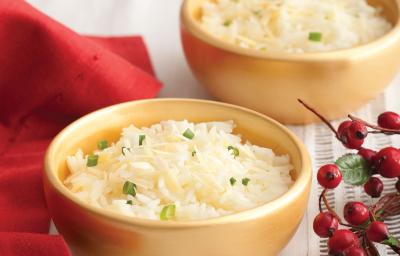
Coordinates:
<point>158,22</point>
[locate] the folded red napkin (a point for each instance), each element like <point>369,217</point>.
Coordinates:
<point>49,76</point>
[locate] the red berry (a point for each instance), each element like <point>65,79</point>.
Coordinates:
<point>357,130</point>
<point>398,185</point>
<point>374,187</point>
<point>343,127</point>
<point>389,120</point>
<point>377,232</point>
<point>368,154</point>
<point>345,137</point>
<point>341,240</point>
<point>329,176</point>
<point>388,162</point>
<point>352,143</point>
<point>355,251</point>
<point>356,213</point>
<point>325,224</point>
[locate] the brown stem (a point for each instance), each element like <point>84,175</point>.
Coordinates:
<point>370,247</point>
<point>352,226</point>
<point>322,118</point>
<point>328,207</point>
<point>377,128</point>
<point>320,200</point>
<point>396,249</point>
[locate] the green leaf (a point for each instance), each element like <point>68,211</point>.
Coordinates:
<point>354,169</point>
<point>391,241</point>
<point>378,213</point>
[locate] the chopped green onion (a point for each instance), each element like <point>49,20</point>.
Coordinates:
<point>102,144</point>
<point>125,148</point>
<point>315,36</point>
<point>141,139</point>
<point>188,134</point>
<point>245,181</point>
<point>194,152</point>
<point>92,160</point>
<point>129,188</point>
<point>129,202</point>
<point>168,212</point>
<point>227,23</point>
<point>232,181</point>
<point>234,151</point>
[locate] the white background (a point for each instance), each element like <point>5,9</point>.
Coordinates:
<point>158,22</point>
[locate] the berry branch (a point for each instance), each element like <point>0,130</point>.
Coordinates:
<point>365,225</point>
<point>321,117</point>
<point>377,128</point>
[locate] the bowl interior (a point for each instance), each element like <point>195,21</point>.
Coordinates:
<point>192,13</point>
<point>107,124</point>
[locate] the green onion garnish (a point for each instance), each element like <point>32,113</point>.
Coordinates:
<point>234,151</point>
<point>129,188</point>
<point>123,150</point>
<point>227,23</point>
<point>188,134</point>
<point>194,152</point>
<point>102,144</point>
<point>168,212</point>
<point>92,160</point>
<point>315,36</point>
<point>245,181</point>
<point>141,139</point>
<point>129,202</point>
<point>232,181</point>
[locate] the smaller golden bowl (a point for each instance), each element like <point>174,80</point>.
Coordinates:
<point>261,231</point>
<point>335,82</point>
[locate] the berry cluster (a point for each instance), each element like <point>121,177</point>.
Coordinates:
<point>363,225</point>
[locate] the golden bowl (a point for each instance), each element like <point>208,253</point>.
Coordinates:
<point>335,82</point>
<point>261,231</point>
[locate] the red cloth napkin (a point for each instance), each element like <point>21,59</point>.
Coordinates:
<point>49,76</point>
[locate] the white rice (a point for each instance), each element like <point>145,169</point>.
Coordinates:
<point>285,25</point>
<point>166,171</point>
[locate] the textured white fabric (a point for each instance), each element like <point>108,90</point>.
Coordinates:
<point>158,22</point>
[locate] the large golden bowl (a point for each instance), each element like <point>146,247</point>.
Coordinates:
<point>336,82</point>
<point>261,231</point>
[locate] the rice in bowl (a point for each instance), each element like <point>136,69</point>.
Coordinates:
<point>294,26</point>
<point>177,170</point>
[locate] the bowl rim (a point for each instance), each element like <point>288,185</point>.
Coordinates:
<point>303,181</point>
<point>189,23</point>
